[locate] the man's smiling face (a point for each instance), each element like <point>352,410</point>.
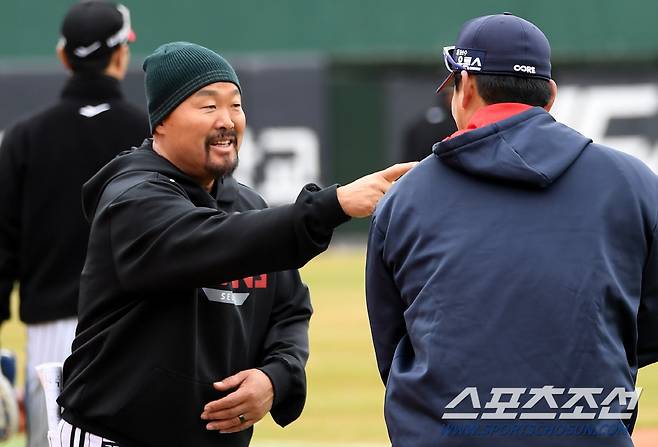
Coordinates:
<point>202,136</point>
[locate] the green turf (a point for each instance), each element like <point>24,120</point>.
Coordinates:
<point>648,380</point>
<point>345,394</point>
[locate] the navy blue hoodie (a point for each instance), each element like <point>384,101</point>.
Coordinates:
<point>519,256</point>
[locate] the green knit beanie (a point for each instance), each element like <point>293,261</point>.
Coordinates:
<point>178,69</point>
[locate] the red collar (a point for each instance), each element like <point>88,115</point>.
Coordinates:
<point>491,114</point>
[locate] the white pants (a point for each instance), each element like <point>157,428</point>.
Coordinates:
<point>46,342</point>
<point>68,435</point>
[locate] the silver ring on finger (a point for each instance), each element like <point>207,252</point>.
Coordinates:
<point>242,419</point>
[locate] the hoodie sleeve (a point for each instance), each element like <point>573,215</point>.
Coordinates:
<point>11,171</point>
<point>385,305</point>
<point>647,339</point>
<point>160,239</point>
<point>286,347</point>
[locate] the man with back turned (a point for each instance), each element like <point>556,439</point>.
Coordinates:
<point>44,161</point>
<point>512,278</point>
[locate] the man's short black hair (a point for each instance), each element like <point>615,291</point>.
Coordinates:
<point>503,88</point>
<point>94,65</point>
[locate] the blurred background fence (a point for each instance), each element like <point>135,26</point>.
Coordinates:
<point>330,87</point>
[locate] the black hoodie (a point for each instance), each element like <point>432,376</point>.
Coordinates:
<point>178,291</point>
<point>44,161</point>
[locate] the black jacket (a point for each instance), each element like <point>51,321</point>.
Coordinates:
<point>44,161</point>
<point>160,317</point>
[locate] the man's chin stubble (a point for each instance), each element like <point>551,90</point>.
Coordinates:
<point>227,168</point>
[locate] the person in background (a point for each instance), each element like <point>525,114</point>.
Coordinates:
<point>44,161</point>
<point>435,124</point>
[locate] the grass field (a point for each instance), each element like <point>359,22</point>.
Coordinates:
<point>345,393</point>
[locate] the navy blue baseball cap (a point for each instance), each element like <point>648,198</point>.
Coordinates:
<point>500,44</point>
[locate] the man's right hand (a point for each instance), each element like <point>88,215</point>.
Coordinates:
<point>359,198</point>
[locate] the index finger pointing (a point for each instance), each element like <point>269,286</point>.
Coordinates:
<point>394,172</point>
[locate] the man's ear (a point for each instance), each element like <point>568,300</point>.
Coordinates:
<point>551,101</point>
<point>118,63</point>
<point>469,89</point>
<point>61,54</point>
<point>116,58</point>
<point>160,129</point>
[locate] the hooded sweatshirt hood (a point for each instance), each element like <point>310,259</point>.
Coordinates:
<point>507,150</point>
<point>144,158</point>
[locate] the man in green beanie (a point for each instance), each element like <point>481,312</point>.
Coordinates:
<point>190,279</point>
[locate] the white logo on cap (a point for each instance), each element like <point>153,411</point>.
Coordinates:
<point>86,51</point>
<point>525,68</point>
<point>469,62</point>
<point>120,36</point>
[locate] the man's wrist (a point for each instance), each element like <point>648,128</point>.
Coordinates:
<point>278,374</point>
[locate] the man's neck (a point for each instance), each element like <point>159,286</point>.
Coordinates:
<point>113,73</point>
<point>207,185</point>
<point>489,114</point>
